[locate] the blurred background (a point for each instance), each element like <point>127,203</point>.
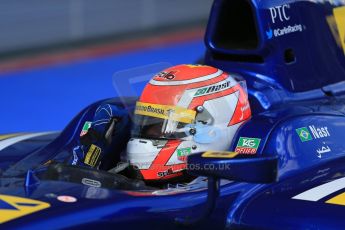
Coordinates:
<point>57,57</point>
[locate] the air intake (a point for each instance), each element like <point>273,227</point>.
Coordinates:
<point>235,26</point>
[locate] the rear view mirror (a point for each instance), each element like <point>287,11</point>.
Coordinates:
<point>227,165</point>
<point>232,166</point>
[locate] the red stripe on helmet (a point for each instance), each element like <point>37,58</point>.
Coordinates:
<point>159,163</point>
<point>242,111</point>
<point>201,100</point>
<point>170,95</point>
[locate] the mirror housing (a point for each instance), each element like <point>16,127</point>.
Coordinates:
<point>218,165</point>
<point>231,166</point>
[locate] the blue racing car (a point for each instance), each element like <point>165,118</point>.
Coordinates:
<point>252,138</point>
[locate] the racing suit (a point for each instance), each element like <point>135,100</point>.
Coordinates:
<point>103,139</point>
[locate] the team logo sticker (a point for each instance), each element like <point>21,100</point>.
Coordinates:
<point>86,127</point>
<point>13,207</point>
<point>183,153</point>
<point>247,145</point>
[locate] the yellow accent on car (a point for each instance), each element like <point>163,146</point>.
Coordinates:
<point>167,112</point>
<point>339,199</point>
<point>6,136</point>
<point>13,207</point>
<point>219,154</point>
<point>339,14</point>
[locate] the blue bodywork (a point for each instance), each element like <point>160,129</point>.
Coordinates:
<point>296,82</point>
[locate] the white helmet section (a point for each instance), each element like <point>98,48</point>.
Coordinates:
<point>218,135</point>
<point>142,151</point>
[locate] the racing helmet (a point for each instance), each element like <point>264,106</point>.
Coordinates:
<point>183,110</point>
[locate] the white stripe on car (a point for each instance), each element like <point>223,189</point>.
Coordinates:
<point>321,191</point>
<point>10,141</point>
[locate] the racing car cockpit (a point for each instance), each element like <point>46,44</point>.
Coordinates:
<point>142,143</point>
<point>182,110</point>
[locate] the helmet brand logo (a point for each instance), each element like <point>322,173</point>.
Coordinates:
<point>166,75</point>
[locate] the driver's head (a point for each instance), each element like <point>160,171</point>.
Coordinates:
<point>183,110</point>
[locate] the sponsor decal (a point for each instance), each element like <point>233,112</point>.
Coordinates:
<point>284,31</point>
<point>312,132</point>
<point>92,155</point>
<point>67,199</point>
<point>243,109</point>
<point>281,14</point>
<point>165,173</point>
<point>304,134</point>
<point>91,183</point>
<point>167,112</point>
<point>212,89</point>
<point>166,75</point>
<point>13,207</point>
<point>85,128</point>
<point>247,145</point>
<point>219,154</point>
<point>183,153</point>
<point>339,15</point>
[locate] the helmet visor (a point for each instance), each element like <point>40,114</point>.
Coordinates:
<point>161,121</point>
